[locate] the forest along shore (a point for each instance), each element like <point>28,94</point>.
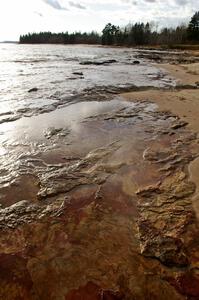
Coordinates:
<point>103,206</point>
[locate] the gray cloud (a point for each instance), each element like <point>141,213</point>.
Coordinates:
<point>135,2</point>
<point>76,5</point>
<point>38,13</point>
<point>181,2</point>
<point>55,4</point>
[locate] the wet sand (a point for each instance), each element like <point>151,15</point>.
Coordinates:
<point>97,201</point>
<point>183,103</point>
<point>185,73</point>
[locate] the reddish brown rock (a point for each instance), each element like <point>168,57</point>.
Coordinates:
<point>113,221</point>
<point>16,282</point>
<point>93,292</point>
<point>187,284</point>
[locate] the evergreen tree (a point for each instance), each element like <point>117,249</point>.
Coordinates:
<point>109,34</point>
<point>193,28</point>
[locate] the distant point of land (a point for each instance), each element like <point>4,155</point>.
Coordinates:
<point>9,42</point>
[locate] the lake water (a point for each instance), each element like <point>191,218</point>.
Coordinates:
<point>33,123</point>
<point>51,68</point>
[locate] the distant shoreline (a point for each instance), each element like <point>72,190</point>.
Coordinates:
<point>9,42</point>
<point>149,47</point>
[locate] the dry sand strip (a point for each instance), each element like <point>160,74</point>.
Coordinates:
<point>183,103</point>
<point>185,73</point>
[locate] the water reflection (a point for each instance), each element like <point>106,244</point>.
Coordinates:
<point>50,68</point>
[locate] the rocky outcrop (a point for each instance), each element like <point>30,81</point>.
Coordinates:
<point>112,216</point>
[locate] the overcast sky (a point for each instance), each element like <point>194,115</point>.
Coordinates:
<point>22,16</point>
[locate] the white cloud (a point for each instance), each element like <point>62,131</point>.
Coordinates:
<point>22,16</point>
<point>76,5</point>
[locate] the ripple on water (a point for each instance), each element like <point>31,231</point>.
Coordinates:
<point>26,66</point>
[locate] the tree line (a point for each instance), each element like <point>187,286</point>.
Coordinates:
<point>61,38</point>
<point>130,35</point>
<point>146,34</point>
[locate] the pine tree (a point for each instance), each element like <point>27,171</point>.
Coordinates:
<point>193,28</point>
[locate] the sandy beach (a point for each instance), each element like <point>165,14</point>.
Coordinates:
<point>182,102</point>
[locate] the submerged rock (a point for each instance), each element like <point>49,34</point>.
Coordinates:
<point>78,73</point>
<point>98,63</point>
<point>136,62</point>
<point>52,131</point>
<point>33,90</point>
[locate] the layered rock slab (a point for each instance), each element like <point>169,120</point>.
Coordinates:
<point>112,215</point>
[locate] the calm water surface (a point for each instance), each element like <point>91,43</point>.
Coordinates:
<point>50,69</point>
